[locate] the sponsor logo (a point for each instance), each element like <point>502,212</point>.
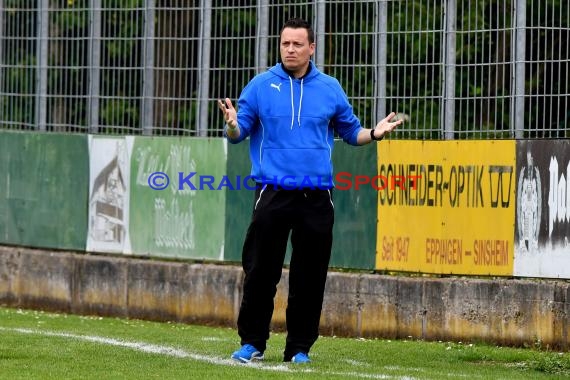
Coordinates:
<point>529,205</point>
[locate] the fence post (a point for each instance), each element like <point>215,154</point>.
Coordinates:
<point>518,43</point>
<point>261,45</point>
<point>148,74</point>
<point>42,23</point>
<point>94,65</point>
<point>320,23</point>
<point>448,85</point>
<point>380,57</point>
<point>204,66</point>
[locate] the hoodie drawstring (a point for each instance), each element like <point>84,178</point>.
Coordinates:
<point>300,104</point>
<point>293,104</point>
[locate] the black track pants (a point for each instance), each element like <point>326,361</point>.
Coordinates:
<point>309,216</point>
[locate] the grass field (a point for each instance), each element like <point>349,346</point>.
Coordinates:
<point>40,345</point>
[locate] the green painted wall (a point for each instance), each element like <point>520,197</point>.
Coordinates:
<point>239,203</point>
<point>354,238</point>
<point>43,189</point>
<point>44,197</point>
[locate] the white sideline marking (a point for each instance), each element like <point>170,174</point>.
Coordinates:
<point>178,353</point>
<point>139,346</point>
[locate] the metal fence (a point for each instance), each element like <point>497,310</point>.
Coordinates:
<point>454,69</point>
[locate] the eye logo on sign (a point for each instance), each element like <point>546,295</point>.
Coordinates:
<point>529,206</point>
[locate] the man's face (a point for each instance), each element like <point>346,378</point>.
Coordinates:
<point>296,50</point>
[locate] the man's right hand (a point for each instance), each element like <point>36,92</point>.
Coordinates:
<point>229,112</point>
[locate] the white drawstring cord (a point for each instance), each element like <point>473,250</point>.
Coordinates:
<point>292,104</point>
<point>300,104</point>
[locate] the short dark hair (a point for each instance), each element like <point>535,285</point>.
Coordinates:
<point>296,23</point>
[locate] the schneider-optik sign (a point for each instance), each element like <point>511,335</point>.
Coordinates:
<point>437,185</point>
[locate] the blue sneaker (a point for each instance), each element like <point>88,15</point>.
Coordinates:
<point>301,357</point>
<point>247,353</point>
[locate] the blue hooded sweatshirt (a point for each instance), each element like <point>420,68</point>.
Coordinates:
<point>291,124</point>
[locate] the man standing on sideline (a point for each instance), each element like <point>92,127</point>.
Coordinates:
<point>290,113</point>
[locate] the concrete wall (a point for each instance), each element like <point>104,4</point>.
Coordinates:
<point>513,312</point>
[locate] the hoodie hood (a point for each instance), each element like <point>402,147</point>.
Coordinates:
<point>280,71</point>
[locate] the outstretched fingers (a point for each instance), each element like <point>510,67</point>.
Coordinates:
<point>385,125</point>
<point>228,111</point>
<point>222,107</point>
